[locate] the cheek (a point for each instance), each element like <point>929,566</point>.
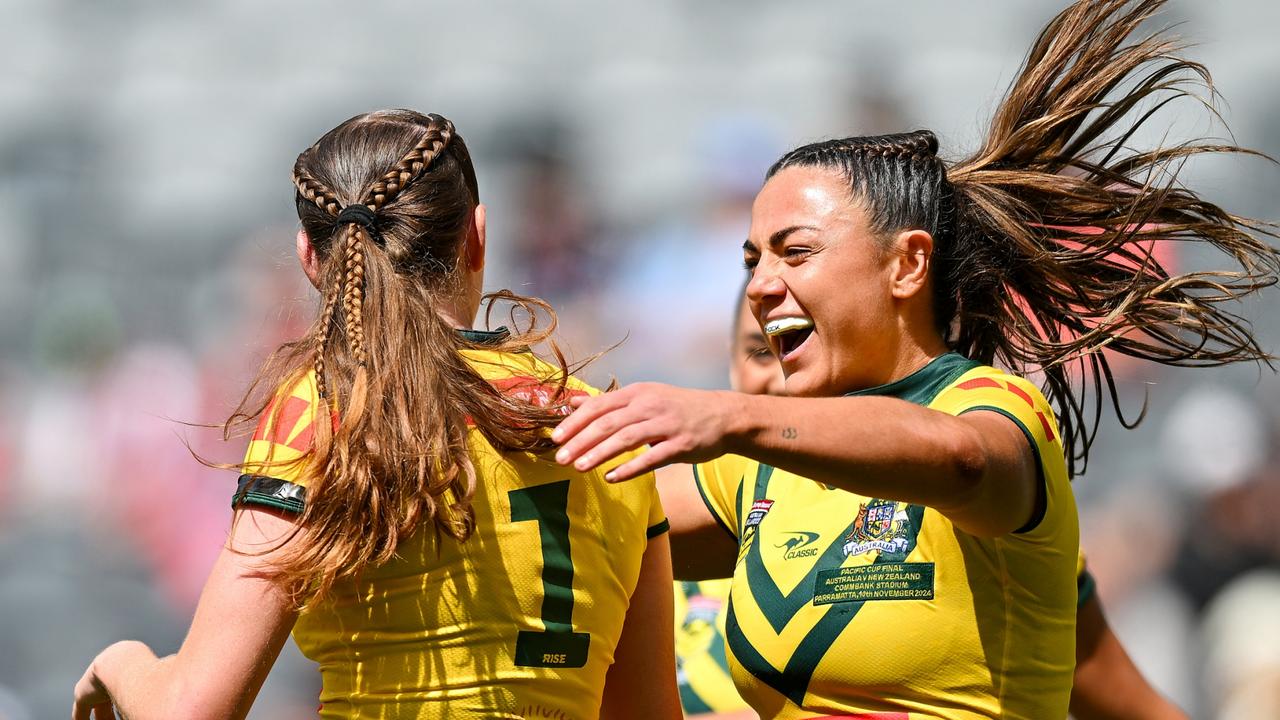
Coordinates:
<point>756,377</point>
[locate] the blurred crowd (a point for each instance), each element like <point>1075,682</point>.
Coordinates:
<point>146,270</point>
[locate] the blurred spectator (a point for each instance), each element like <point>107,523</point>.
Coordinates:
<point>1130,541</point>
<point>1220,446</point>
<point>556,248</point>
<point>1241,638</point>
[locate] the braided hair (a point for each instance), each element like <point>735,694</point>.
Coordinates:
<point>387,199</point>
<point>1043,239</point>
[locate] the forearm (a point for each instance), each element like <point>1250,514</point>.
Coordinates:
<point>141,685</point>
<point>879,447</point>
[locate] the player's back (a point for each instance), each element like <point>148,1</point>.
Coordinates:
<point>521,620</point>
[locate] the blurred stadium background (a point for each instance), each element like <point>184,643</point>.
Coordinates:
<point>146,267</point>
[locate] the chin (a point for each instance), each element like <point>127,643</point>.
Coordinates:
<point>797,385</point>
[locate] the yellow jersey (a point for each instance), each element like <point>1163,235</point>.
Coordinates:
<point>519,621</point>
<point>702,669</point>
<point>848,605</point>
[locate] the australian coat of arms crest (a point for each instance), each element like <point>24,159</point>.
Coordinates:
<point>880,525</point>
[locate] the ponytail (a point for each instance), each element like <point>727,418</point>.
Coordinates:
<point>385,361</point>
<point>1044,239</point>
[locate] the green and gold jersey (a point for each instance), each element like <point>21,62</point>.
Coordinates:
<point>520,621</point>
<point>847,605</point>
<point>702,669</point>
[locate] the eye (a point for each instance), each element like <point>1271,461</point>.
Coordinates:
<point>797,251</point>
<point>760,353</point>
<point>750,262</point>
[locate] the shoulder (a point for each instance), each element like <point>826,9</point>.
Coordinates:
<point>524,375</point>
<point>288,420</point>
<point>988,388</point>
<point>277,464</point>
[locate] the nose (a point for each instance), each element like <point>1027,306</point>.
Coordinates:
<point>765,283</point>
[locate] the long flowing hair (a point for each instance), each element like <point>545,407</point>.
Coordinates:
<point>385,362</point>
<point>1044,238</point>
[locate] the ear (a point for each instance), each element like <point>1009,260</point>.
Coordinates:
<point>914,248</point>
<point>476,240</point>
<point>307,256</point>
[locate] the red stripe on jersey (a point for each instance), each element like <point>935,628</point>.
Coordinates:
<point>1022,394</point>
<point>1048,429</point>
<point>536,392</point>
<point>865,716</point>
<point>277,429</point>
<point>981,382</point>
<point>260,433</point>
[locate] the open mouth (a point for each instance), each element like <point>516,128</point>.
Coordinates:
<point>788,334</point>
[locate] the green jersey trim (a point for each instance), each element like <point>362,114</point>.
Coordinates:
<point>691,702</point>
<point>923,385</point>
<point>702,493</point>
<point>658,529</point>
<point>484,337</point>
<point>1086,588</point>
<point>792,682</point>
<point>1042,497</point>
<point>269,492</point>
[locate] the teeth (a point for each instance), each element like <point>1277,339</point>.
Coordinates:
<point>782,325</point>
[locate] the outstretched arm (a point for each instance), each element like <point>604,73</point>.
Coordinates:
<point>977,468</point>
<point>241,622</point>
<point>1108,686</point>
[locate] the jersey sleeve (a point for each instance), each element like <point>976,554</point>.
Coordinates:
<point>657,523</point>
<point>1085,584</point>
<point>719,483</point>
<point>274,472</point>
<point>1021,401</point>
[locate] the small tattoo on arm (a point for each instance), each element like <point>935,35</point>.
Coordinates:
<point>789,433</point>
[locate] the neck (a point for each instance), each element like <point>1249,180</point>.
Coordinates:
<point>458,310</point>
<point>457,318</point>
<point>919,345</point>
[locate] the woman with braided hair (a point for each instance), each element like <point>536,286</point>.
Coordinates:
<point>900,526</point>
<point>397,509</point>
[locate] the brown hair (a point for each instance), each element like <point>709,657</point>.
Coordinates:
<point>384,356</point>
<point>1043,239</point>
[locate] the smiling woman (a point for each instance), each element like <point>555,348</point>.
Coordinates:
<point>936,486</point>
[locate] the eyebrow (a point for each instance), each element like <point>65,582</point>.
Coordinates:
<point>777,237</point>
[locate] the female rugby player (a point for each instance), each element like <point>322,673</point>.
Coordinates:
<point>1106,684</point>
<point>904,533</point>
<point>395,510</point>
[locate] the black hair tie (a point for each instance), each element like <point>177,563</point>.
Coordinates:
<point>364,217</point>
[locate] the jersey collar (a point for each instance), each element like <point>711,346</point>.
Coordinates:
<point>484,337</point>
<point>923,385</point>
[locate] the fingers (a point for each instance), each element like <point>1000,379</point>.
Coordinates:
<point>586,412</point>
<point>647,461</point>
<point>605,437</point>
<point>83,711</point>
<point>626,438</point>
<point>82,706</point>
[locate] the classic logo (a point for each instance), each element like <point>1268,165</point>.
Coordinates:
<point>797,545</point>
<point>880,525</point>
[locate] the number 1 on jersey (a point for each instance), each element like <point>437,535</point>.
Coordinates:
<point>558,645</point>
